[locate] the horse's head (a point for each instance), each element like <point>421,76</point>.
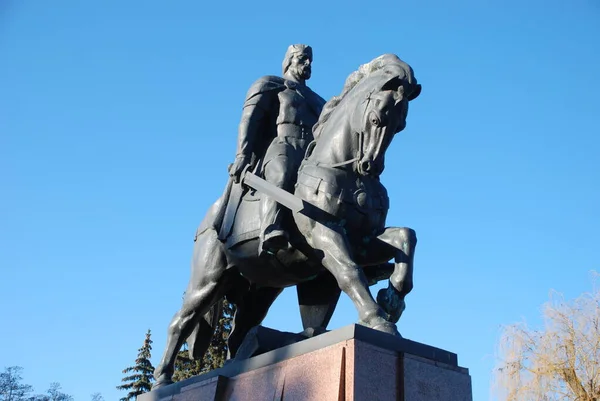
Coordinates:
<point>382,112</point>
<point>356,127</point>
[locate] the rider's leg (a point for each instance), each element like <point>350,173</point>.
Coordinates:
<point>273,237</point>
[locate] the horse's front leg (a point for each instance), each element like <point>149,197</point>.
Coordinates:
<point>336,254</point>
<point>402,242</point>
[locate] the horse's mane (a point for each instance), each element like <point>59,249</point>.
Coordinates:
<point>364,71</point>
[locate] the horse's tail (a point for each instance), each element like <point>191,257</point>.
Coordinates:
<point>199,341</point>
<point>214,216</point>
<point>221,208</point>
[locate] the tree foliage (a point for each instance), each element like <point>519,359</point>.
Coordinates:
<point>185,367</point>
<point>560,361</point>
<point>139,377</point>
<point>53,394</point>
<point>215,356</point>
<point>11,388</point>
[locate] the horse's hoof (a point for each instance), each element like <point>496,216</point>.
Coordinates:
<point>391,304</point>
<point>313,332</point>
<point>387,327</point>
<point>162,382</point>
<point>380,324</point>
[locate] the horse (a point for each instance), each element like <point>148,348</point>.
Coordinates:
<point>345,252</point>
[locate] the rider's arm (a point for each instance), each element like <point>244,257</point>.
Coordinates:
<point>254,113</point>
<point>254,119</point>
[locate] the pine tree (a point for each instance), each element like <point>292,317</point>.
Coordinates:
<point>215,356</point>
<point>140,379</point>
<point>185,367</point>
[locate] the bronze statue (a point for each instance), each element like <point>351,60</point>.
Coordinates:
<point>334,221</point>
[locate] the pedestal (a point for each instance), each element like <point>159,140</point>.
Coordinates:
<point>352,363</point>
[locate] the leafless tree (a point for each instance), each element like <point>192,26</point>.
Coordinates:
<point>561,361</point>
<point>11,388</point>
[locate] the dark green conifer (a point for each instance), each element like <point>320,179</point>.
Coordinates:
<point>139,377</point>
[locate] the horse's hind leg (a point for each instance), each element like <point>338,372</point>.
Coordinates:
<point>251,310</point>
<point>333,244</point>
<point>199,341</point>
<point>317,299</point>
<point>207,285</point>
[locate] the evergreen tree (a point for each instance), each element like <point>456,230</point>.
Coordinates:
<point>139,379</point>
<point>11,388</point>
<point>215,356</point>
<point>185,367</point>
<point>97,397</point>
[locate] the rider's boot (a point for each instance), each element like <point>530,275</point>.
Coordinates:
<point>272,236</point>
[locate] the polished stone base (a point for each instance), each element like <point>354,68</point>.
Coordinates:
<point>352,363</point>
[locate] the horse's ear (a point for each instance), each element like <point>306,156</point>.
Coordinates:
<point>392,84</point>
<point>415,92</point>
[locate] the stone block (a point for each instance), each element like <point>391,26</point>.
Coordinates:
<point>350,364</point>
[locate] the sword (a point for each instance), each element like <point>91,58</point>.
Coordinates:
<point>297,205</point>
<point>230,200</point>
<point>291,201</point>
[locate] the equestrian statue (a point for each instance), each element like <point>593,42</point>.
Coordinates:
<point>304,207</point>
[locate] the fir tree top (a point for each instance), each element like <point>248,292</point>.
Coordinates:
<point>140,377</point>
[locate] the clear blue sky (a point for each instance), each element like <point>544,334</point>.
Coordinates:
<point>118,119</point>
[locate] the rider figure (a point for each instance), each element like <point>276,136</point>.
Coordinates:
<point>274,132</point>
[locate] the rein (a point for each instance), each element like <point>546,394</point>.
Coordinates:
<point>361,152</point>
<point>336,165</point>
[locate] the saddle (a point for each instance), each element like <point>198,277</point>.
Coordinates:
<point>245,224</point>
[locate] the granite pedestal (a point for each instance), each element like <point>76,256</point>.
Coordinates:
<point>351,363</point>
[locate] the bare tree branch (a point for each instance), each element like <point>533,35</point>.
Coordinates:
<point>560,361</point>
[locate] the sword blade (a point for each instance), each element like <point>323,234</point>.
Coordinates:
<point>281,196</point>
<point>291,201</point>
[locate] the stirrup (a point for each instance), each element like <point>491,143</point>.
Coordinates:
<point>272,242</point>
